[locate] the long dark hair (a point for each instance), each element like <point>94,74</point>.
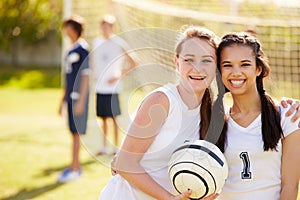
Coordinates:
<point>270,116</point>
<point>207,111</point>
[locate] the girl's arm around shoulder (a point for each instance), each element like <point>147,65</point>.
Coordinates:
<point>288,124</point>
<point>293,105</point>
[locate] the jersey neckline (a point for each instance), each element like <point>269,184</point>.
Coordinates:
<point>184,106</point>
<point>251,125</point>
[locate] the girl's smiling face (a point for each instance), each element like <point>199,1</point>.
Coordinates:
<point>196,64</point>
<point>238,69</point>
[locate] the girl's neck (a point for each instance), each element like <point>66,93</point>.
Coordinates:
<point>246,103</point>
<point>191,99</point>
<point>107,36</point>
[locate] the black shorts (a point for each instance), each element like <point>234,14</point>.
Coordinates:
<point>77,123</point>
<point>108,105</point>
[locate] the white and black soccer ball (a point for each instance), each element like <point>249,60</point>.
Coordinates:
<point>199,166</point>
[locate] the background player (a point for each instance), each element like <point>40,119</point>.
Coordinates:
<point>109,58</point>
<point>76,92</point>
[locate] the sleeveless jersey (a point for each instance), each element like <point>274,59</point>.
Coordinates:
<point>180,126</point>
<point>253,172</point>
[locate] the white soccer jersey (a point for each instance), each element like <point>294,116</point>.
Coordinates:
<point>253,172</point>
<point>181,125</point>
<point>108,60</point>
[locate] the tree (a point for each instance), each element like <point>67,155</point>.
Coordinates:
<point>29,21</point>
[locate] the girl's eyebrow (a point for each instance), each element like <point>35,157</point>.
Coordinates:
<point>189,55</point>
<point>208,56</point>
<point>246,61</point>
<point>225,62</point>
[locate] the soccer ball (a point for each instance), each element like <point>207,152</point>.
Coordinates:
<point>199,166</point>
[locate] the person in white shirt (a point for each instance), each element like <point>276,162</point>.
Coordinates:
<point>109,57</point>
<point>261,144</point>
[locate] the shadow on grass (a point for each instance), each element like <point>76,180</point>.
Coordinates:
<point>51,170</point>
<point>25,193</point>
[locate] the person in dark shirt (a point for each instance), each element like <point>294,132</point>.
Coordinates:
<point>76,92</point>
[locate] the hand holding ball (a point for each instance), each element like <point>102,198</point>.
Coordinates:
<point>199,166</point>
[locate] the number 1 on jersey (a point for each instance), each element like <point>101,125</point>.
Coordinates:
<point>245,174</point>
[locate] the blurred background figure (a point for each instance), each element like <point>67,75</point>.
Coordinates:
<point>109,59</point>
<point>76,92</point>
<point>252,30</point>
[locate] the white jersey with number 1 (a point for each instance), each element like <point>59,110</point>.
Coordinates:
<point>253,172</point>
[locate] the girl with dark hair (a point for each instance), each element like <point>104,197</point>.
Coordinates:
<point>261,144</point>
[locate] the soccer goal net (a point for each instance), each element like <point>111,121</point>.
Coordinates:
<point>275,23</point>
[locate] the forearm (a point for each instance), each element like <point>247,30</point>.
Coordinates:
<point>145,183</point>
<point>84,88</point>
<point>63,99</point>
<point>131,65</point>
<point>131,62</point>
<point>289,192</point>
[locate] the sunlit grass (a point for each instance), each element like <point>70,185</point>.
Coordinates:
<point>35,147</point>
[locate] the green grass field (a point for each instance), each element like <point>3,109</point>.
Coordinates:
<point>35,147</point>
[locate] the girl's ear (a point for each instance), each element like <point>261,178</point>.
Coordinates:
<point>176,61</point>
<point>258,70</point>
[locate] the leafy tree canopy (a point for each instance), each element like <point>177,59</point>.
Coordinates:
<point>28,20</point>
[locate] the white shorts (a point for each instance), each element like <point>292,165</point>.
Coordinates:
<point>118,188</point>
